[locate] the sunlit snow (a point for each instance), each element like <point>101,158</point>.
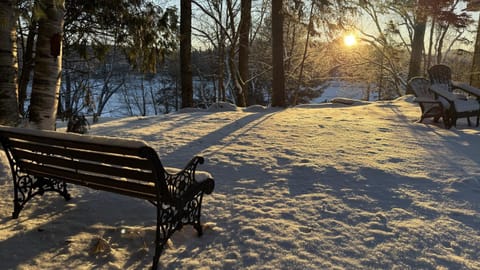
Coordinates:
<point>328,186</point>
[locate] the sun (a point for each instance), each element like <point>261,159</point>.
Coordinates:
<point>349,40</point>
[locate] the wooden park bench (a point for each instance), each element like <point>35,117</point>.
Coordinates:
<point>43,161</point>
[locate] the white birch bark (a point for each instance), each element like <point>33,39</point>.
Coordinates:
<point>48,65</point>
<point>8,64</point>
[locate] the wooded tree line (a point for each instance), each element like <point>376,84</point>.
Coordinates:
<point>259,52</point>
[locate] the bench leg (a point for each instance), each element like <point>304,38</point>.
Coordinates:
<point>17,207</point>
<point>26,187</point>
<point>22,192</point>
<point>199,229</point>
<point>169,221</point>
<point>164,230</point>
<point>159,245</point>
<point>196,212</point>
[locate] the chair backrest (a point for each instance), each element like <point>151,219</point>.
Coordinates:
<point>441,74</point>
<point>420,87</point>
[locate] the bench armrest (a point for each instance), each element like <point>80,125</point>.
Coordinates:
<point>188,181</point>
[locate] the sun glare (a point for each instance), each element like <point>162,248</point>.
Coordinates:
<point>349,40</point>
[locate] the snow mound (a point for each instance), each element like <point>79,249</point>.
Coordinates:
<point>190,110</point>
<point>256,108</point>
<point>335,102</point>
<point>223,107</point>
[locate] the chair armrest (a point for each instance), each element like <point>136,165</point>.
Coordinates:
<point>441,90</point>
<point>426,100</point>
<point>466,88</point>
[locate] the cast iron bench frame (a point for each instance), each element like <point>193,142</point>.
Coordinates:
<point>42,161</point>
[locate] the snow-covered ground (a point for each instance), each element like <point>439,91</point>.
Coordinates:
<point>334,89</point>
<point>325,186</point>
<point>117,106</point>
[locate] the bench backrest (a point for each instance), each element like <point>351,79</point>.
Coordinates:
<point>128,167</point>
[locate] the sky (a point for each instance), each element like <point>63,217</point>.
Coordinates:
<point>318,186</point>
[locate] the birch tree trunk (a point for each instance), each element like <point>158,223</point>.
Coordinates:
<point>8,64</point>
<point>48,65</point>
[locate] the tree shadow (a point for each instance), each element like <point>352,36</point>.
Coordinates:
<point>65,232</point>
<point>101,214</point>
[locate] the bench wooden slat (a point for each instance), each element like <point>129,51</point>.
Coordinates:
<point>101,157</point>
<point>76,141</point>
<point>135,189</point>
<point>81,165</point>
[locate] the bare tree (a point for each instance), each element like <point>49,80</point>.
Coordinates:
<point>111,83</point>
<point>27,50</point>
<point>305,51</point>
<point>420,25</point>
<point>211,28</point>
<point>228,42</point>
<point>234,73</point>
<point>244,48</point>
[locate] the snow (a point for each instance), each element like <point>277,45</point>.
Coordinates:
<point>462,104</point>
<point>337,88</point>
<point>334,186</point>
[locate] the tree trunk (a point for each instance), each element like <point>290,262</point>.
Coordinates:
<point>441,40</point>
<point>8,64</point>
<point>186,53</point>
<point>232,50</point>
<point>278,76</point>
<point>221,69</point>
<point>27,66</point>
<point>244,51</point>
<point>234,76</point>
<point>415,67</point>
<point>430,44</point>
<point>475,74</point>
<point>48,66</point>
<point>304,57</point>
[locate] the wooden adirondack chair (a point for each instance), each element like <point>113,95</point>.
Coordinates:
<point>429,104</point>
<point>442,74</point>
<point>457,107</point>
<point>462,102</point>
